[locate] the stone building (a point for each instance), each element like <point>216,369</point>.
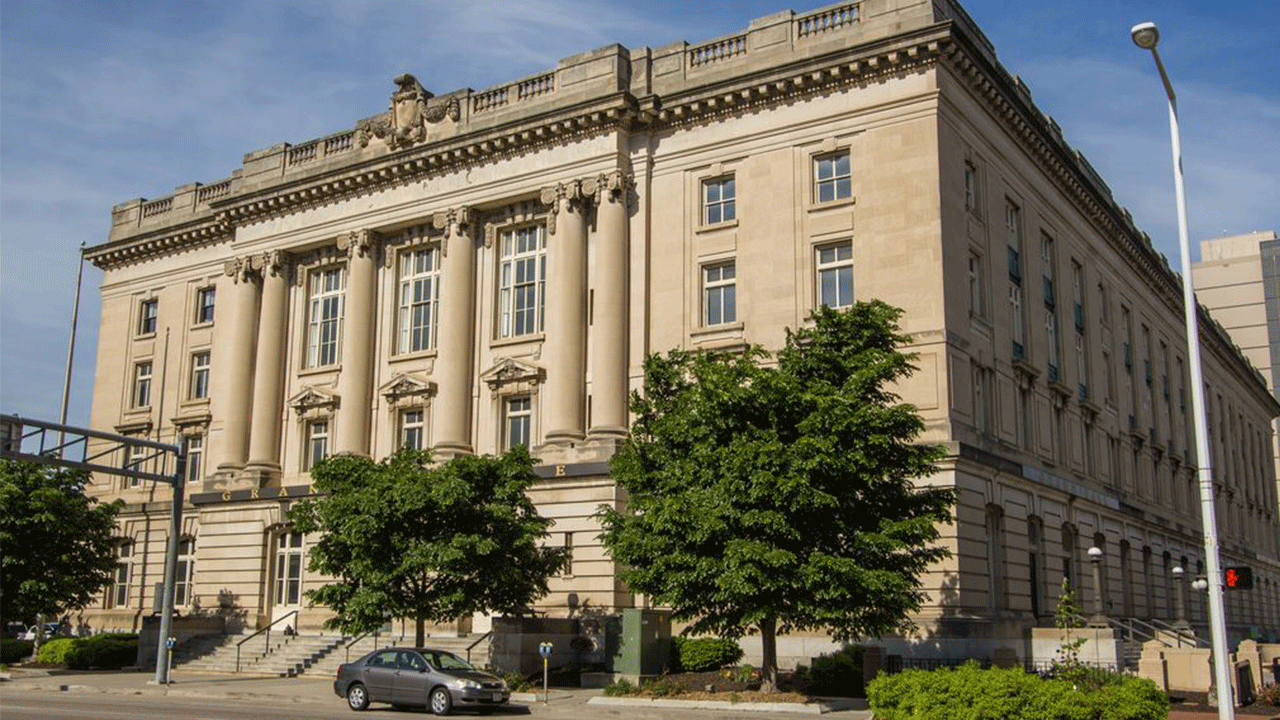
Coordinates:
<point>475,269</point>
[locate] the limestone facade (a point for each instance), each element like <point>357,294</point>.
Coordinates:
<point>478,268</point>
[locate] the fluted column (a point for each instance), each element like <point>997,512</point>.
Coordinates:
<point>453,367</point>
<point>566,312</point>
<point>268,379</point>
<point>609,316</point>
<point>355,382</point>
<point>238,364</point>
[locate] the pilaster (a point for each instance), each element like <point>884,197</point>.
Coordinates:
<point>453,368</point>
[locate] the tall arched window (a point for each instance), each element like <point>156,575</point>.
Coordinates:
<point>1035,565</point>
<point>1070,546</point>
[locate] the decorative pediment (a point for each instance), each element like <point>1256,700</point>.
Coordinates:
<point>407,387</point>
<point>189,424</point>
<point>314,400</point>
<point>509,371</point>
<point>406,121</point>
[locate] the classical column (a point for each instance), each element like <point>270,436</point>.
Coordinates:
<point>453,367</point>
<point>355,381</point>
<point>609,314</point>
<point>237,364</point>
<point>566,311</point>
<point>268,382</point>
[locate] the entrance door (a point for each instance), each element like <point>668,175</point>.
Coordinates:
<point>286,593</point>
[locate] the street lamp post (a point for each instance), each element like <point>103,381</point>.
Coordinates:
<point>1179,596</point>
<point>1146,36</point>
<point>1099,618</point>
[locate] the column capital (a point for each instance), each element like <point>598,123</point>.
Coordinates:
<point>572,194</point>
<point>453,219</point>
<point>609,187</point>
<point>242,269</point>
<point>273,263</point>
<point>357,243</point>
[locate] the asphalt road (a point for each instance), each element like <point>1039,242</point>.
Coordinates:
<point>19,704</point>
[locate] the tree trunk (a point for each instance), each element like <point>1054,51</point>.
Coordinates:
<point>768,655</point>
<point>420,632</point>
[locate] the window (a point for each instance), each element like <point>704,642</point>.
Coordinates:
<point>288,589</point>
<point>568,553</point>
<point>995,558</point>
<point>317,447</point>
<point>1035,564</point>
<point>718,198</point>
<point>411,429</point>
<point>970,187</point>
<point>517,421</point>
<point>1013,228</point>
<point>135,458</point>
<point>148,312</point>
<point>835,275</point>
<point>419,299</point>
<point>718,294</point>
<point>194,445</point>
<point>118,595</point>
<point>832,179</point>
<point>981,398</point>
<point>977,293</point>
<point>1024,417</point>
<point>142,385</point>
<point>204,304</point>
<point>324,317</point>
<point>522,281</point>
<point>182,584</point>
<point>200,375</point>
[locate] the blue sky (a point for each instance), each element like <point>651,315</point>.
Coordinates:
<point>101,102</point>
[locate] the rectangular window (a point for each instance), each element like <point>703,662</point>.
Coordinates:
<point>200,375</point>
<point>1013,231</point>
<point>977,292</point>
<point>194,445</point>
<point>142,385</point>
<point>718,201</point>
<point>185,576</point>
<point>522,277</point>
<point>204,304</point>
<point>719,304</point>
<point>411,429</point>
<point>324,316</point>
<point>517,422</point>
<point>568,551</point>
<point>289,569</point>
<point>148,313</point>
<point>832,178</point>
<point>835,275</point>
<point>120,582</point>
<point>1019,322</point>
<point>317,447</point>
<point>135,458</point>
<point>970,187</point>
<point>1055,345</point>
<point>419,299</point>
<point>981,399</point>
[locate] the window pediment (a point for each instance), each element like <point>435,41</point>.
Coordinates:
<point>406,388</point>
<point>313,401</point>
<point>510,374</point>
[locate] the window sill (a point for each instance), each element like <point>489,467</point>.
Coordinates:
<point>716,227</point>
<point>323,369</point>
<point>145,336</point>
<point>416,355</point>
<point>201,325</point>
<point>719,337</point>
<point>815,206</point>
<point>517,340</point>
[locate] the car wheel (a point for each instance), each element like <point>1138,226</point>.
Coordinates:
<point>357,697</point>
<point>441,703</point>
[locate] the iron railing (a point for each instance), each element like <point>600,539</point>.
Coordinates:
<point>267,630</point>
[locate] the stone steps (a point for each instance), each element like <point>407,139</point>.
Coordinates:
<point>293,655</point>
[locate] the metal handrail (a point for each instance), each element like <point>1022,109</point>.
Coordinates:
<point>266,630</point>
<point>1181,633</point>
<point>479,640</point>
<point>358,638</point>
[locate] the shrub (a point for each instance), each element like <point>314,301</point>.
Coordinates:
<point>839,673</point>
<point>662,687</point>
<point>702,654</point>
<point>1269,694</point>
<point>54,652</point>
<point>516,682</point>
<point>619,687</point>
<point>969,691</point>
<point>103,651</point>
<point>12,651</point>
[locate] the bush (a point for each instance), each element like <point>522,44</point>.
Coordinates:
<point>703,654</point>
<point>12,651</point>
<point>839,673</point>
<point>54,652</point>
<point>108,650</point>
<point>662,687</point>
<point>516,682</point>
<point>969,691</point>
<point>1269,695</point>
<point>619,687</point>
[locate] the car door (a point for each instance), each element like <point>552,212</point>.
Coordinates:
<point>411,680</point>
<point>380,675</point>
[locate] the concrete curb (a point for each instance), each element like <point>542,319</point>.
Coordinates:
<point>163,691</point>
<point>817,708</point>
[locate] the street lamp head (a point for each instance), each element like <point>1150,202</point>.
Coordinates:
<point>1200,584</point>
<point>1095,553</point>
<point>1145,35</point>
<point>1177,571</point>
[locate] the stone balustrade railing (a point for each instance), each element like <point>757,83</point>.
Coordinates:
<point>826,20</point>
<point>717,50</point>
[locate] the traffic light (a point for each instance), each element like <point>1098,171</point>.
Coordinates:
<point>1239,577</point>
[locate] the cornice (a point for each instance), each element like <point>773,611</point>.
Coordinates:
<point>205,231</point>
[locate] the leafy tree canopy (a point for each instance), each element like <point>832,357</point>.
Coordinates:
<point>57,545</point>
<point>404,538</point>
<point>781,497</point>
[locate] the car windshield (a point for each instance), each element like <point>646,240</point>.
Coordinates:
<point>446,661</point>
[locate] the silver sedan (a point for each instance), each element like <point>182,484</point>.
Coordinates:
<point>418,677</point>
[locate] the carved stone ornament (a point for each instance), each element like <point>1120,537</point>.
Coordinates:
<point>408,387</point>
<point>405,122</point>
<point>509,371</point>
<point>575,193</point>
<point>273,263</point>
<point>241,269</point>
<point>314,401</point>
<point>357,243</point>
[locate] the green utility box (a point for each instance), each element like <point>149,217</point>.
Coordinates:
<point>645,643</point>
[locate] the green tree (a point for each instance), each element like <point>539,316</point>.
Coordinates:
<point>770,498</point>
<point>57,545</point>
<point>404,538</point>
